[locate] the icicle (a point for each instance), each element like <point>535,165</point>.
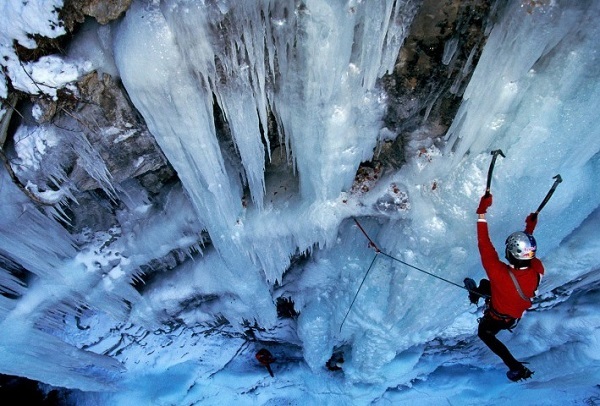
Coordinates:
<point>449,50</point>
<point>517,56</point>
<point>93,164</point>
<point>178,107</point>
<point>27,237</point>
<point>9,286</point>
<point>67,367</point>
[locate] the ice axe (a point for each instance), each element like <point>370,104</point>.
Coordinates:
<point>558,179</point>
<point>495,154</point>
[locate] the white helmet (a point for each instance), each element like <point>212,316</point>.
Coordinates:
<point>521,246</point>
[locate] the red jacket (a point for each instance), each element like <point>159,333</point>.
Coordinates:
<point>505,297</point>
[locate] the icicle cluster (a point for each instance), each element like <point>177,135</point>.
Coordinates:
<point>304,70</point>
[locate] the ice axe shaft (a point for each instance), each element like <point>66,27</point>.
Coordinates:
<point>558,179</point>
<point>495,154</point>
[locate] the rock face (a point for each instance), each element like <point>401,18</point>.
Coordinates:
<point>433,68</point>
<point>104,11</point>
<point>117,132</point>
<point>111,125</point>
<point>102,147</point>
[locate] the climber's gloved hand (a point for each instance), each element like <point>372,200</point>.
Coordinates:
<point>531,222</point>
<point>484,203</point>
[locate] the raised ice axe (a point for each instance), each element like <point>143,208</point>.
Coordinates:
<point>495,153</point>
<point>558,179</point>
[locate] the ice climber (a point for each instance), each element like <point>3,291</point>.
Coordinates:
<point>510,287</point>
<point>265,358</point>
<point>335,362</point>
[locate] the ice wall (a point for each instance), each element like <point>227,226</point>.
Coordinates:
<point>313,68</point>
<point>533,94</point>
<point>544,90</point>
<point>44,249</point>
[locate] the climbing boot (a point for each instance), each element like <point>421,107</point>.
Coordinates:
<point>472,288</point>
<point>519,374</point>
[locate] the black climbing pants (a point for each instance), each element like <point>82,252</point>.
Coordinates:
<point>488,328</point>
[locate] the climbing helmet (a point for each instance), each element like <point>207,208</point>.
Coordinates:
<point>521,245</point>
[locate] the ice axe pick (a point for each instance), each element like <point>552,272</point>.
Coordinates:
<point>557,180</point>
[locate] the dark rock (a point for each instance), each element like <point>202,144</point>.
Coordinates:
<point>434,66</point>
<point>104,11</point>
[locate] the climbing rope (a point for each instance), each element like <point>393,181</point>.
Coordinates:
<point>371,242</point>
<point>379,251</point>
<point>373,245</point>
<point>428,273</point>
<point>356,295</point>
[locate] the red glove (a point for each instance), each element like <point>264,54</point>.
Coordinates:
<point>484,204</point>
<point>530,223</point>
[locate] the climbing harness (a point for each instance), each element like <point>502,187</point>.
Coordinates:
<point>496,315</point>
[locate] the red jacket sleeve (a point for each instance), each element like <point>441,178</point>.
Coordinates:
<point>489,256</point>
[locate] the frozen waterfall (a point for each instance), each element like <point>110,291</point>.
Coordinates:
<point>266,109</point>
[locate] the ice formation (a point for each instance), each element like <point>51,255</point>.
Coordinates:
<point>295,85</point>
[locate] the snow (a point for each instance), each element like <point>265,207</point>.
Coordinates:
<point>285,228</point>
<point>20,21</point>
